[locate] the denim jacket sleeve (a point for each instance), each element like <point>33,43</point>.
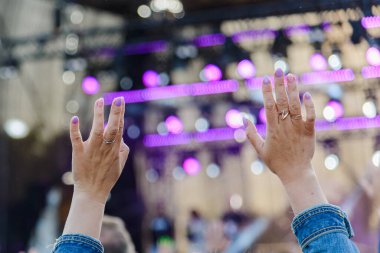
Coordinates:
<point>77,243</point>
<point>324,228</point>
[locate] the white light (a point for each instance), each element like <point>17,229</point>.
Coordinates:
<point>331,162</point>
<point>151,175</point>
<point>16,128</point>
<point>159,5</point>
<point>144,11</point>
<point>236,201</point>
<point>178,173</point>
<point>76,17</point>
<point>161,129</point>
<point>376,158</point>
<point>257,167</point>
<point>68,77</point>
<point>334,62</point>
<point>175,6</point>
<point>369,109</point>
<point>68,178</point>
<point>133,131</point>
<point>72,43</point>
<point>213,170</point>
<point>8,72</point>
<point>72,106</point>
<point>240,135</point>
<point>202,125</point>
<point>164,79</point>
<point>329,113</point>
<point>281,64</point>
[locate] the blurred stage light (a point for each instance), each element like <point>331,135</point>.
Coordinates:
<point>144,11</point>
<point>68,178</point>
<point>202,125</point>
<point>174,125</point>
<point>209,40</point>
<point>262,115</point>
<point>8,72</point>
<point>234,118</point>
<point>334,91</point>
<point>16,128</point>
<point>376,158</point>
<point>246,69</point>
<point>213,170</point>
<point>186,51</point>
<point>133,132</point>
<point>164,79</point>
<point>236,201</point>
<point>76,17</point>
<point>331,162</point>
<point>212,72</point>
<point>72,43</point>
<point>175,6</point>
<point>373,56</point>
<point>178,173</point>
<point>318,62</point>
<point>151,79</point>
<point>162,129</point>
<point>68,77</point>
<point>191,166</point>
<point>126,83</point>
<point>240,136</point>
<point>328,77</point>
<point>72,106</point>
<point>369,108</point>
<point>335,62</point>
<point>151,175</point>
<point>257,167</point>
<point>333,110</point>
<point>90,85</point>
<point>370,22</point>
<point>281,64</point>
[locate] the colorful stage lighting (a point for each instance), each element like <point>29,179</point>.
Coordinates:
<point>318,62</point>
<point>151,79</point>
<point>174,125</point>
<point>234,118</point>
<point>212,72</point>
<point>246,69</point>
<point>90,85</point>
<point>373,56</point>
<point>333,110</point>
<point>191,166</point>
<point>371,22</point>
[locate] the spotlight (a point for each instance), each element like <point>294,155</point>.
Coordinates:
<point>76,17</point>
<point>369,108</point>
<point>164,79</point>
<point>335,62</point>
<point>202,125</point>
<point>90,85</point>
<point>144,11</point>
<point>213,170</point>
<point>373,56</point>
<point>16,128</point>
<point>234,118</point>
<point>257,167</point>
<point>333,110</point>
<point>246,69</point>
<point>151,79</point>
<point>331,162</point>
<point>174,125</point>
<point>72,43</point>
<point>211,73</point>
<point>191,166</point>
<point>68,178</point>
<point>318,62</point>
<point>240,136</point>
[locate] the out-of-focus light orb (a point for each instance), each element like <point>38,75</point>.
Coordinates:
<point>263,115</point>
<point>162,129</point>
<point>369,109</point>
<point>318,62</point>
<point>240,136</point>
<point>331,162</point>
<point>72,43</point>
<point>191,166</point>
<point>234,118</point>
<point>159,5</point>
<point>68,178</point>
<point>335,91</point>
<point>335,62</point>
<point>281,64</point>
<point>257,167</point>
<point>164,79</point>
<point>376,158</point>
<point>250,117</point>
<point>212,72</point>
<point>213,170</point>
<point>246,69</point>
<point>90,85</point>
<point>126,83</point>
<point>16,128</point>
<point>236,201</point>
<point>178,173</point>
<point>256,96</point>
<point>175,6</point>
<point>68,77</point>
<point>174,125</point>
<point>151,79</point>
<point>151,175</point>
<point>133,132</point>
<point>202,125</point>
<point>373,56</point>
<point>144,11</point>
<point>76,17</point>
<point>72,106</point>
<point>333,110</point>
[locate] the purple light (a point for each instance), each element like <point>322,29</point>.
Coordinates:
<point>253,35</point>
<point>90,85</point>
<point>318,62</point>
<point>174,91</point>
<point>371,22</point>
<point>246,69</point>
<point>336,112</point>
<point>146,47</point>
<point>156,140</point>
<point>263,116</point>
<point>297,29</point>
<point>325,77</point>
<point>212,72</point>
<point>210,40</point>
<point>174,125</point>
<point>151,79</point>
<point>191,166</point>
<point>234,118</point>
<point>371,72</point>
<point>373,56</point>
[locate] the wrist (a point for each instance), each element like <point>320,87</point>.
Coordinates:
<point>90,197</point>
<point>296,174</point>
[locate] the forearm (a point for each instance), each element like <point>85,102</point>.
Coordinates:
<point>85,216</point>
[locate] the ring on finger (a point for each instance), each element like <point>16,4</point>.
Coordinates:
<point>296,117</point>
<point>109,141</point>
<point>283,114</point>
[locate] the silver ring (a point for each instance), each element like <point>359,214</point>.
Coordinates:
<point>109,142</point>
<point>283,114</point>
<point>296,117</point>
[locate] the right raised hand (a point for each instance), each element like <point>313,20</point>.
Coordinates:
<point>98,162</point>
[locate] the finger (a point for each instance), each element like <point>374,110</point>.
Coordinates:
<point>310,113</point>
<point>253,136</point>
<point>75,135</point>
<point>121,123</point>
<point>279,86</point>
<point>124,152</point>
<point>114,120</point>
<point>269,103</point>
<point>97,129</point>
<point>294,97</point>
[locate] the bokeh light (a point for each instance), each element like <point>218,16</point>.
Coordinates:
<point>90,85</point>
<point>246,69</point>
<point>369,109</point>
<point>174,125</point>
<point>213,170</point>
<point>234,118</point>
<point>16,128</point>
<point>191,166</point>
<point>151,79</point>
<point>373,56</point>
<point>318,62</point>
<point>212,72</point>
<point>331,162</point>
<point>333,110</point>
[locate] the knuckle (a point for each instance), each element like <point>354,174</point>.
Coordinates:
<point>282,101</point>
<point>294,108</point>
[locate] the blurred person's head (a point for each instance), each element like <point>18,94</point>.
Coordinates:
<point>114,237</point>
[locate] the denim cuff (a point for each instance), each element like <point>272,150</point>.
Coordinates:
<point>318,221</point>
<point>79,240</point>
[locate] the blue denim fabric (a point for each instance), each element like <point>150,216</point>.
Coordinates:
<point>324,228</point>
<point>77,243</point>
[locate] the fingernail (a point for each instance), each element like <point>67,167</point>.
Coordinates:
<point>100,102</point>
<point>245,122</point>
<point>307,95</point>
<point>75,120</point>
<point>278,73</point>
<point>118,102</point>
<point>266,80</point>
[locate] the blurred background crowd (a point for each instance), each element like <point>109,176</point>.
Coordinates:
<point>189,72</point>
